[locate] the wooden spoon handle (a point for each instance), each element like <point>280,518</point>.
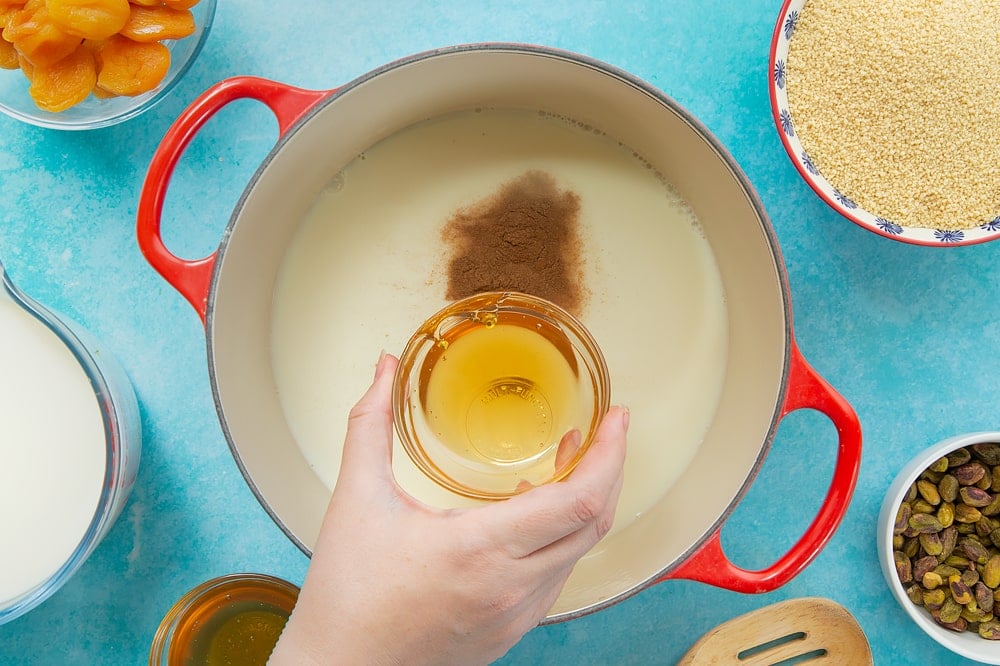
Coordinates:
<point>793,628</point>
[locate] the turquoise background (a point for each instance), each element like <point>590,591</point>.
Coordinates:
<point>908,334</point>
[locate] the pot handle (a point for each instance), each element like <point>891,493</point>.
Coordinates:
<point>192,277</point>
<point>806,390</point>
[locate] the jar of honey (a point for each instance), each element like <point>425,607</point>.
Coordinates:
<point>233,619</point>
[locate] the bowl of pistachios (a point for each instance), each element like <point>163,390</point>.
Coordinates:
<point>939,543</point>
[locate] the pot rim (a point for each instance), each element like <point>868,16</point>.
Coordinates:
<point>627,78</point>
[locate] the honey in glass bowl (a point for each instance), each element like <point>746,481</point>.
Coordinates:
<point>499,392</point>
<point>234,619</point>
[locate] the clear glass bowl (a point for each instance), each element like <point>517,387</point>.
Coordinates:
<point>499,392</point>
<point>119,411</point>
<point>233,619</point>
<point>93,113</point>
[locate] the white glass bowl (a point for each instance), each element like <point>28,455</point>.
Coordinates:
<point>967,643</point>
<point>93,113</point>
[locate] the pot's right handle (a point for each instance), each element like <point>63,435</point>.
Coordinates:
<point>192,277</point>
<point>806,390</point>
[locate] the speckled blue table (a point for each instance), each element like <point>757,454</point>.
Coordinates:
<point>909,335</point>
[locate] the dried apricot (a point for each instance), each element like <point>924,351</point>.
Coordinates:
<point>125,67</point>
<point>180,4</point>
<point>154,24</point>
<point>26,67</point>
<point>146,3</point>
<point>57,87</point>
<point>8,55</point>
<point>91,19</point>
<point>37,38</point>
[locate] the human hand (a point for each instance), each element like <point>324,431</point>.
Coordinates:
<point>394,581</point>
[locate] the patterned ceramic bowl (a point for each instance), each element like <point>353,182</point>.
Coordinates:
<point>92,112</point>
<point>784,32</point>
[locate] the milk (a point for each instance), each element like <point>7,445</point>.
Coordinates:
<point>52,453</point>
<point>368,266</point>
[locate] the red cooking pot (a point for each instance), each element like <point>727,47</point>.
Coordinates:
<point>334,252</point>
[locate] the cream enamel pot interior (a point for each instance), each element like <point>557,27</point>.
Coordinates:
<point>322,131</point>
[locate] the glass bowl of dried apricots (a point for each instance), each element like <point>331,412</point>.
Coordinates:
<point>84,64</point>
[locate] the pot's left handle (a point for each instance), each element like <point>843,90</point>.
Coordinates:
<point>192,277</point>
<point>806,390</point>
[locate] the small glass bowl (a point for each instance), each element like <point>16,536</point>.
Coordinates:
<point>93,112</point>
<point>499,392</point>
<point>233,619</point>
<point>965,643</point>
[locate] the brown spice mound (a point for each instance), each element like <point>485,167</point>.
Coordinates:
<point>525,237</point>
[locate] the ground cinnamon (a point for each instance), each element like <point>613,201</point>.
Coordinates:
<point>525,237</point>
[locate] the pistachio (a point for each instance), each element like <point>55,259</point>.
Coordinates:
<point>984,526</point>
<point>925,523</point>
<point>960,592</point>
<point>940,465</point>
<point>958,457</point>
<point>991,572</point>
<point>958,625</point>
<point>934,599</point>
<point>904,568</point>
<point>923,565</point>
<point>993,508</point>
<point>946,514</point>
<point>911,546</point>
<point>916,594</point>
<point>897,541</point>
<point>931,475</point>
<point>948,488</point>
<point>949,539</point>
<point>983,595</point>
<point>957,561</point>
<point>968,475</point>
<point>950,611</point>
<point>973,613</point>
<point>990,630</point>
<point>995,538</point>
<point>931,543</point>
<point>973,496</point>
<point>929,491</point>
<point>988,452</point>
<point>931,580</point>
<point>963,514</point>
<point>970,577</point>
<point>902,518</point>
<point>911,492</point>
<point>975,551</point>
<point>986,483</point>
<point>946,571</point>
<point>920,505</point>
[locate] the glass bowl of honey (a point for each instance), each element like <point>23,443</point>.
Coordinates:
<point>233,619</point>
<point>499,392</point>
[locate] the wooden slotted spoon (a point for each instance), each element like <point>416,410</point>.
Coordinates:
<point>806,631</point>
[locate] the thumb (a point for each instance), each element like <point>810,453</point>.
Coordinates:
<point>368,444</point>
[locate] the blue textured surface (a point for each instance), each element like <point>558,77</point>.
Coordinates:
<point>909,335</point>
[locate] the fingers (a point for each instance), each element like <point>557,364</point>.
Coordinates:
<point>368,444</point>
<point>585,501</point>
